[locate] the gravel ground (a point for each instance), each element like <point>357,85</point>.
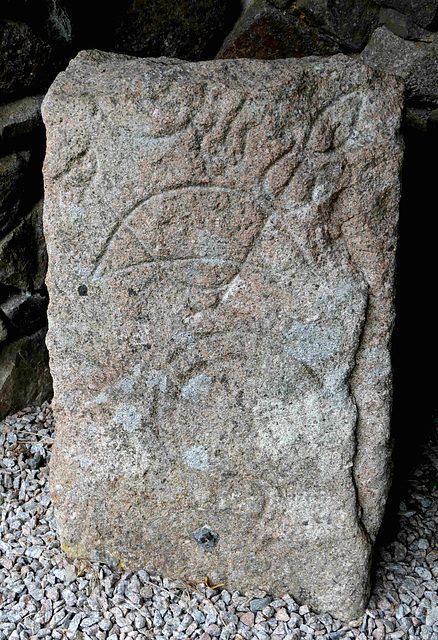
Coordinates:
<point>43,596</point>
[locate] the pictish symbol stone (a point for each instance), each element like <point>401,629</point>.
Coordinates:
<point>223,397</point>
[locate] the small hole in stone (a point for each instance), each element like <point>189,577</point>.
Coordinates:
<point>82,290</point>
<point>206,538</point>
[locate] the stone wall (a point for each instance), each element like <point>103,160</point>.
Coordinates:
<point>38,39</point>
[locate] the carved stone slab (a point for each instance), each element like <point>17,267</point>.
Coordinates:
<point>221,241</point>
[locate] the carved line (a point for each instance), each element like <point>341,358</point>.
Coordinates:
<point>130,212</point>
<point>188,187</point>
<point>133,233</point>
<point>304,146</point>
<point>106,118</point>
<point>70,162</point>
<point>244,128</point>
<point>306,140</point>
<point>232,117</point>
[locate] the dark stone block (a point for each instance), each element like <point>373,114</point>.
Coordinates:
<point>23,256</point>
<point>350,22</point>
<point>402,25</point>
<point>47,18</point>
<point>415,62</point>
<point>20,118</point>
<point>421,12</point>
<point>27,64</point>
<point>14,170</point>
<point>268,33</point>
<point>186,29</point>
<point>24,313</point>
<point>24,373</point>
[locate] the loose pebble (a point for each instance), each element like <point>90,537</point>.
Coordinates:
<point>259,603</point>
<point>43,595</point>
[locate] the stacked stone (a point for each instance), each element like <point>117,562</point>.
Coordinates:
<point>23,298</point>
<point>33,48</point>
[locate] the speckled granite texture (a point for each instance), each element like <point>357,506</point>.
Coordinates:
<point>221,241</point>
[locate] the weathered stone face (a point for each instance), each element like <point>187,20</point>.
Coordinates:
<point>221,241</point>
